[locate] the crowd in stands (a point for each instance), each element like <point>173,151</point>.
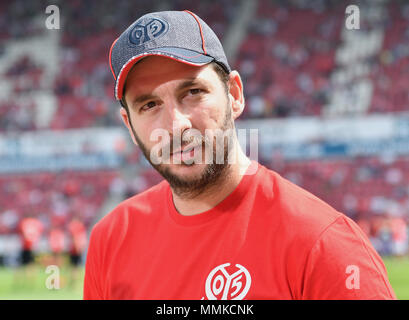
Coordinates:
<point>392,65</point>
<point>53,198</point>
<point>285,60</point>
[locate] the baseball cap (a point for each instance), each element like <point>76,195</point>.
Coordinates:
<point>179,35</point>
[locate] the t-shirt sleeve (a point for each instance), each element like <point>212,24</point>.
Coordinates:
<point>343,265</point>
<point>92,286</point>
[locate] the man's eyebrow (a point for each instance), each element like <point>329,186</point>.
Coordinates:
<point>142,98</point>
<point>185,84</point>
<point>189,83</point>
<point>193,82</point>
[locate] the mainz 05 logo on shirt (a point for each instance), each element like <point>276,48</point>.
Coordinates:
<point>227,282</point>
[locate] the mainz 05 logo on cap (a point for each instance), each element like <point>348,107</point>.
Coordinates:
<point>224,283</point>
<point>148,30</point>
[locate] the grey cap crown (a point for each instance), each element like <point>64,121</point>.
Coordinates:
<point>181,35</point>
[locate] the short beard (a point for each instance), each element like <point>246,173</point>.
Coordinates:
<point>211,176</point>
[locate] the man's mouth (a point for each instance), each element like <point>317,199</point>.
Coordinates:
<point>185,154</point>
<point>186,150</point>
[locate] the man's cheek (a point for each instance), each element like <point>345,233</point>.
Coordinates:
<point>211,122</point>
<point>159,153</point>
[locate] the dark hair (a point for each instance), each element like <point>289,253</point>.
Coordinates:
<point>221,72</point>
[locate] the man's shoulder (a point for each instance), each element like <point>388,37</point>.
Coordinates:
<point>299,210</point>
<point>143,203</point>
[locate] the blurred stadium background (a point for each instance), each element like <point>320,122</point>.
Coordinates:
<point>331,106</point>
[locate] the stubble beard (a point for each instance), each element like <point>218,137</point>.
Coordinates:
<point>212,174</point>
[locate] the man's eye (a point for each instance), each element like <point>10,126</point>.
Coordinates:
<point>195,91</point>
<point>149,105</point>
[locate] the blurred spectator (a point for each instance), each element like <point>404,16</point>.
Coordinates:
<point>56,239</point>
<point>30,230</point>
<point>399,230</point>
<point>78,243</point>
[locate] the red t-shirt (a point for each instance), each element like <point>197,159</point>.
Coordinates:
<point>268,239</point>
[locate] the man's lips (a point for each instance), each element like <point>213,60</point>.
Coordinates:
<point>186,154</point>
<point>186,150</point>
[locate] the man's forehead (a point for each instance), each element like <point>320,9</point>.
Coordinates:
<point>162,66</point>
<point>153,71</point>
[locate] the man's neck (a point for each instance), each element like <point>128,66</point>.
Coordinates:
<point>216,193</point>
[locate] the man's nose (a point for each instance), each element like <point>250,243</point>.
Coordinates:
<point>177,120</point>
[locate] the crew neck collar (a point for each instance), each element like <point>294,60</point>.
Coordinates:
<point>228,204</point>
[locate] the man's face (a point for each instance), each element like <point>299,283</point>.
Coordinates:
<point>166,96</point>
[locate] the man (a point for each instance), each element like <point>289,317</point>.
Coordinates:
<point>30,229</point>
<point>229,229</point>
<point>78,241</point>
<point>56,240</point>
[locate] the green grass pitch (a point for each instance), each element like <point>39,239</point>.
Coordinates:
<point>14,285</point>
<point>398,273</point>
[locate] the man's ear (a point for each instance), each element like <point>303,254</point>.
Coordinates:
<point>127,122</point>
<point>236,94</point>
